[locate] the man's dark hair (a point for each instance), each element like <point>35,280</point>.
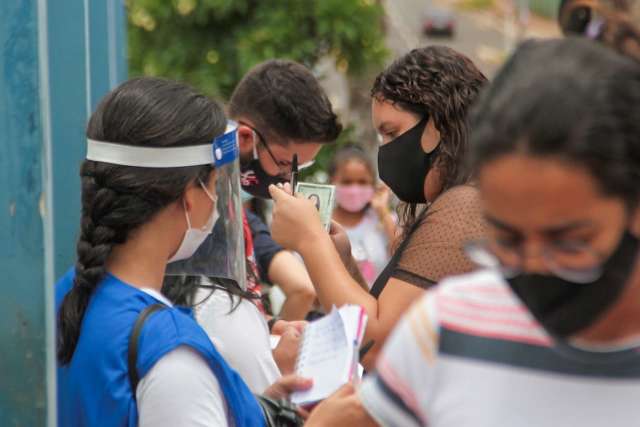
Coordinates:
<point>285,103</point>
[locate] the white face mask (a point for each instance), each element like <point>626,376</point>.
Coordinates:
<point>194,237</point>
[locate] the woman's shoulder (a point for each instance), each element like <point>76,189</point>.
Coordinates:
<point>172,323</point>
<point>459,206</point>
<point>221,304</point>
<point>459,197</point>
<point>168,329</point>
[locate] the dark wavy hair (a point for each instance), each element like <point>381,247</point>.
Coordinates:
<point>116,200</point>
<point>439,82</point>
<point>583,110</point>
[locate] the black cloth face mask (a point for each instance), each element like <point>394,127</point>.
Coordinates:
<point>403,164</point>
<point>565,308</point>
<point>254,179</point>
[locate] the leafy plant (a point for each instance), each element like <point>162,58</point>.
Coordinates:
<point>212,43</point>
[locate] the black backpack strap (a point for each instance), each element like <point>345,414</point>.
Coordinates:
<point>133,343</point>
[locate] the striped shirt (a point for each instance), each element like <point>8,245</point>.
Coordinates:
<point>470,354</point>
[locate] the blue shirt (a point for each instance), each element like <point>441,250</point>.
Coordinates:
<point>94,388</point>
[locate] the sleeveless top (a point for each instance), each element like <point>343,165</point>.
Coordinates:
<point>94,388</point>
<point>434,248</point>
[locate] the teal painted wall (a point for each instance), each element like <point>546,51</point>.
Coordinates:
<point>23,394</point>
<point>79,47</point>
<point>57,59</point>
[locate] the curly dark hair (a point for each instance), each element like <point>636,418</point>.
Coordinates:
<point>439,82</point>
<point>117,200</point>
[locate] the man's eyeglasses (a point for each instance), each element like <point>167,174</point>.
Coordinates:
<point>284,166</point>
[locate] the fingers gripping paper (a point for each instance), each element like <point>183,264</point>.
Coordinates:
<point>329,352</point>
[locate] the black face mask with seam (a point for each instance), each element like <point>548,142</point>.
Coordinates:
<point>256,181</point>
<point>403,164</point>
<point>565,308</point>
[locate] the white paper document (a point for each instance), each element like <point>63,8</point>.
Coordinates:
<point>329,352</point>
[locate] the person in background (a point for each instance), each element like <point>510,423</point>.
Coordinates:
<point>419,107</point>
<point>362,209</point>
<point>614,23</point>
<point>549,333</point>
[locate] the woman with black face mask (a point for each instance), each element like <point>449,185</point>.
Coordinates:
<point>549,333</point>
<point>419,107</point>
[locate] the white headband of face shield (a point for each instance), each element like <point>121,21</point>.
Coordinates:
<point>221,151</point>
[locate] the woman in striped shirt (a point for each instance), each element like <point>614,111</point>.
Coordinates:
<point>549,333</point>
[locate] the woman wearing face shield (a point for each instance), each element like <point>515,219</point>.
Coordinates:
<point>549,333</point>
<point>148,198</point>
<point>419,107</point>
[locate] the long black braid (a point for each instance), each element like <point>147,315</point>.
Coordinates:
<point>116,200</point>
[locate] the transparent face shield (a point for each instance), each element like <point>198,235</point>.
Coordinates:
<point>221,257</point>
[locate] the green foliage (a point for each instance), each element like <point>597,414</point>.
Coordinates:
<point>476,4</point>
<point>212,43</point>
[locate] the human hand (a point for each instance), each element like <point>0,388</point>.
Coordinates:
<point>295,219</point>
<point>343,247</point>
<point>341,242</point>
<point>286,352</point>
<point>343,408</point>
<point>286,385</point>
<point>380,200</point>
<point>282,325</point>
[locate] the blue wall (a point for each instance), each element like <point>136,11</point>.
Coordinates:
<point>78,47</point>
<point>22,310</point>
<point>57,59</point>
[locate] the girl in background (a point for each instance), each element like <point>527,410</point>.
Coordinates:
<point>362,209</point>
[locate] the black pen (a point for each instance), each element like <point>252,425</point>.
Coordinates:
<point>294,173</point>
